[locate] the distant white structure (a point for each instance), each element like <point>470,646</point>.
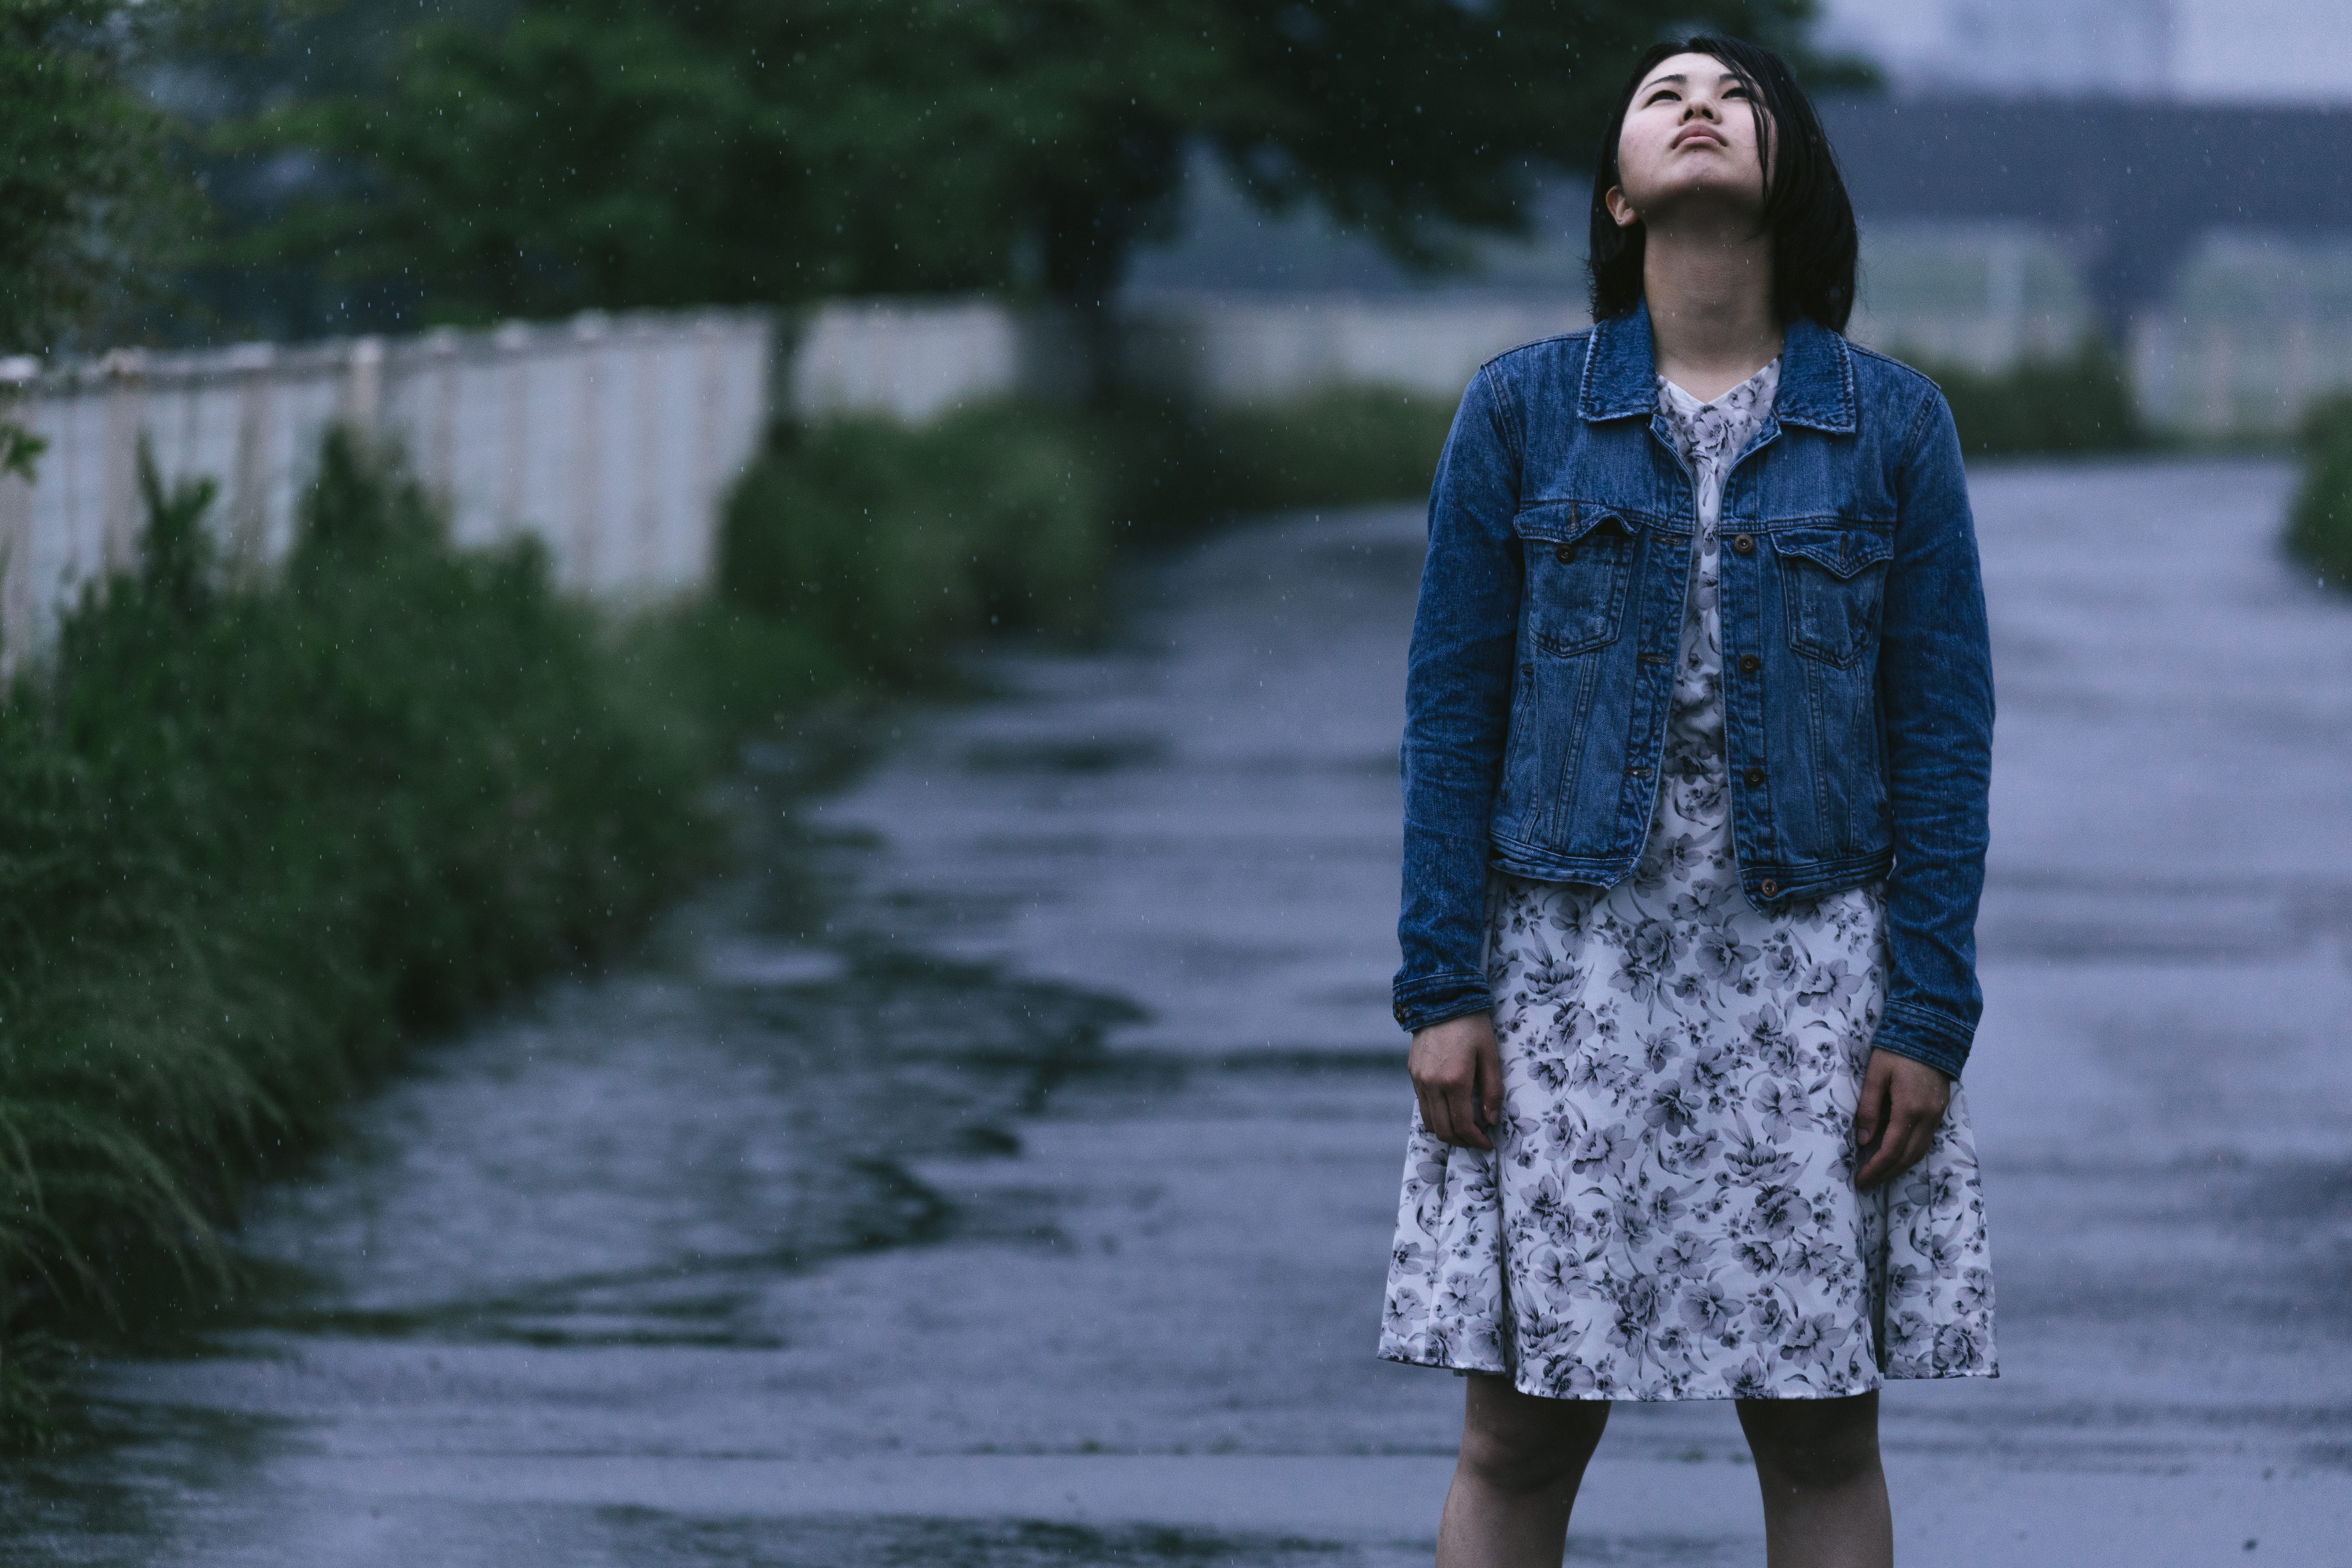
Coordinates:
<point>615,440</point>
<point>914,361</point>
<point>611,438</point>
<point>1235,348</point>
<point>2239,51</point>
<point>1980,294</point>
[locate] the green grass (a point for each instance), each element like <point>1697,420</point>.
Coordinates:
<point>1179,466</point>
<point>2319,523</point>
<point>886,545</point>
<point>253,834</point>
<point>2080,404</point>
<point>889,545</point>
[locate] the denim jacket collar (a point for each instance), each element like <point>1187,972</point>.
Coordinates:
<point>1816,375</point>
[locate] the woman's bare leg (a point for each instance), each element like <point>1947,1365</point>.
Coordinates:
<point>1522,1460</point>
<point>1824,1494</point>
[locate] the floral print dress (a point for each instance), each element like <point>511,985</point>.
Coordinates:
<point>1669,1211</point>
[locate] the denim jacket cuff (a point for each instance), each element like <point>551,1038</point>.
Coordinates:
<point>1438,998</point>
<point>1924,1036</point>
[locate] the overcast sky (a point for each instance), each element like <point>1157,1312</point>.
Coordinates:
<point>2211,50</point>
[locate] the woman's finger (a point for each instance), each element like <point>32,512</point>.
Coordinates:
<point>1871,1106</point>
<point>1432,1113</point>
<point>1490,1082</point>
<point>1886,1160</point>
<point>1907,1141</point>
<point>1461,1102</point>
<point>1922,1139</point>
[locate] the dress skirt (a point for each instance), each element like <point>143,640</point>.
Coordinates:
<point>1669,1210</point>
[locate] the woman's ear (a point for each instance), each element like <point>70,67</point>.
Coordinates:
<point>1620,208</point>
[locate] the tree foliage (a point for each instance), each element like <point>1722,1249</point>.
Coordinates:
<point>639,153</point>
<point>92,201</point>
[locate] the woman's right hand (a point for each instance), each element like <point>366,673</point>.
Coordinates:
<point>1457,1076</point>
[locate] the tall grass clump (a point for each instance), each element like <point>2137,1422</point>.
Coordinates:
<point>1175,467</point>
<point>256,829</point>
<point>2319,525</point>
<point>882,545</point>
<point>887,542</point>
<point>1339,447</point>
<point>2081,402</point>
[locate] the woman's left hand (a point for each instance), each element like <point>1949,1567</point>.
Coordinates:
<point>1902,1106</point>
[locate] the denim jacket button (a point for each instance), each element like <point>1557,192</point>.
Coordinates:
<point>1768,887</point>
<point>1744,543</point>
<point>1752,777</point>
<point>1563,554</point>
<point>1749,664</point>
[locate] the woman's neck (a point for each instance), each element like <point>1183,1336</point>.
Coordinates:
<point>1711,298</point>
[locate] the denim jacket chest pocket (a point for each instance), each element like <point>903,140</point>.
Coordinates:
<point>1580,562</point>
<point>1834,585</point>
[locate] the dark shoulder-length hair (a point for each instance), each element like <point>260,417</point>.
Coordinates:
<point>1806,209</point>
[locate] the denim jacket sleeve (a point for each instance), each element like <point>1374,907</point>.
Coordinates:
<point>1935,682</point>
<point>1457,708</point>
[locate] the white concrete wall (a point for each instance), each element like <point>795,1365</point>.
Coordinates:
<point>2215,51</point>
<point>1231,349</point>
<point>614,439</point>
<point>913,359</point>
<point>611,438</point>
<point>2217,379</point>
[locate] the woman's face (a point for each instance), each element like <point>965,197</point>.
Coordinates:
<point>1689,141</point>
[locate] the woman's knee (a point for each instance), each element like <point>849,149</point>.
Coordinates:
<point>1812,1444</point>
<point>1516,1442</point>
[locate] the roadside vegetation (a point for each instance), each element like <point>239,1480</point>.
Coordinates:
<point>2319,526</point>
<point>254,835</point>
<point>2081,402</point>
<point>885,545</point>
<point>260,830</point>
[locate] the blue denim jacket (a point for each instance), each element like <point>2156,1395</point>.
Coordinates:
<point>1857,680</point>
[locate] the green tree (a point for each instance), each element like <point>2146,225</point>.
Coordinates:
<point>82,173</point>
<point>631,153</point>
<point>620,154</point>
<point>88,197</point>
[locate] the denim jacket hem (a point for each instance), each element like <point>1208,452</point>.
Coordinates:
<point>1433,999</point>
<point>1924,1036</point>
<point>1767,887</point>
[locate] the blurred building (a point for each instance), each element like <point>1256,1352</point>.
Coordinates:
<point>2229,51</point>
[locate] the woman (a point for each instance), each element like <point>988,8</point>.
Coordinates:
<point>1700,711</point>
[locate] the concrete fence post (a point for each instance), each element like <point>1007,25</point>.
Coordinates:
<point>125,394</point>
<point>363,388</point>
<point>247,369</point>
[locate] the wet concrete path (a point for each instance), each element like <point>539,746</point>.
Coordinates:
<point>1007,1178</point>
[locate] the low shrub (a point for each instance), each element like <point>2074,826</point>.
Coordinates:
<point>2080,404</point>
<point>718,676</point>
<point>254,832</point>
<point>1176,467</point>
<point>2319,523</point>
<point>888,544</point>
